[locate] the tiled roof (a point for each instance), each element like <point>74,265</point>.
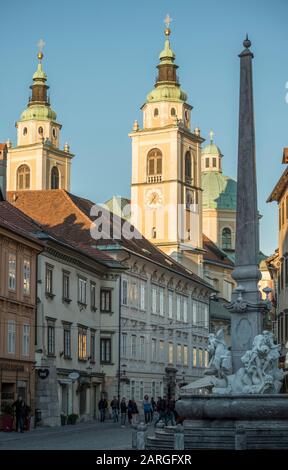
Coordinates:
<point>16,221</point>
<point>215,254</point>
<point>69,218</point>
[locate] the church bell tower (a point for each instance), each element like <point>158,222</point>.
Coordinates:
<point>37,162</point>
<point>166,200</point>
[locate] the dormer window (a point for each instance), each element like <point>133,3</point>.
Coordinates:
<point>156,112</point>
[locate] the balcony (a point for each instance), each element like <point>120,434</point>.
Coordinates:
<point>154,179</point>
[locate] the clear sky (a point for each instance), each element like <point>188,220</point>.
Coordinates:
<point>100,59</point>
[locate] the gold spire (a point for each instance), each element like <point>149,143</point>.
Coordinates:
<point>40,45</point>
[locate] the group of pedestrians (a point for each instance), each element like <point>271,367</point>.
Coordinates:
<point>127,411</point>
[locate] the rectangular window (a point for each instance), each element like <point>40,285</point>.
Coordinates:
<point>26,340</point>
<point>207,162</point>
<point>194,312</point>
<point>11,337</point>
<point>132,389</point>
<point>82,344</point>
<point>179,354</point>
<point>133,347</point>
<point>124,344</point>
<point>66,286</point>
<point>49,280</point>
<point>161,350</point>
<point>195,364</point>
<point>82,284</point>
<point>12,271</point>
<point>92,346</point>
<point>105,349</point>
<point>133,293</point>
<point>161,301</point>
<point>142,348</point>
<point>206,358</point>
<point>141,390</point>
<point>170,353</point>
<point>153,350</point>
<point>106,300</point>
<point>178,308</point>
<point>153,389</point>
<point>93,296</point>
<point>206,316</point>
<point>26,277</point>
<point>185,310</point>
<point>185,355</point>
<point>200,353</point>
<point>51,340</point>
<point>143,295</point>
<point>67,341</point>
<point>124,292</point>
<point>154,299</point>
<point>170,304</point>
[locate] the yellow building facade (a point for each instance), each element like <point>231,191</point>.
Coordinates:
<point>37,162</point>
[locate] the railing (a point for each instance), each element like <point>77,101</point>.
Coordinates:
<point>155,179</point>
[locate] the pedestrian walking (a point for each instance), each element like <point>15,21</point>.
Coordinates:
<point>170,407</point>
<point>123,411</point>
<point>130,411</point>
<point>115,409</point>
<point>135,412</point>
<point>147,409</point>
<point>102,405</point>
<point>153,408</point>
<point>20,413</point>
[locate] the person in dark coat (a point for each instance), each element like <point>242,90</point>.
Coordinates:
<point>19,406</point>
<point>123,411</point>
<point>102,405</point>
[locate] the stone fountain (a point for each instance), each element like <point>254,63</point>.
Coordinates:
<point>241,407</point>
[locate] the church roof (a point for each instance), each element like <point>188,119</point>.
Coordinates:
<point>219,191</point>
<point>68,217</point>
<point>211,149</point>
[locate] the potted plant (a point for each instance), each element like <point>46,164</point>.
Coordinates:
<point>72,418</point>
<point>7,417</point>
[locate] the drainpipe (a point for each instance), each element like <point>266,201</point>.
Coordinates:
<point>119,338</point>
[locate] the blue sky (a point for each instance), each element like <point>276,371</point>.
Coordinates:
<point>100,58</point>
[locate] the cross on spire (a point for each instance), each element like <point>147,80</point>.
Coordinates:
<point>168,20</point>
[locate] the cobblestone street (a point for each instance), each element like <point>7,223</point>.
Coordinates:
<point>83,436</point>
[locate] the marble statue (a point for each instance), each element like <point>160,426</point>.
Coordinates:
<point>259,373</point>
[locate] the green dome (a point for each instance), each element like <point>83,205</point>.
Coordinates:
<point>211,149</point>
<point>167,93</point>
<point>38,112</point>
<point>219,191</point>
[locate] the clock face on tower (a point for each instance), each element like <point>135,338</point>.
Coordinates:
<point>153,198</point>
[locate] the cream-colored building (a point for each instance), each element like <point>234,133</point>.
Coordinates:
<point>166,196</point>
<point>36,161</point>
<point>278,264</point>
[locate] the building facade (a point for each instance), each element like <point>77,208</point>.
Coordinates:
<point>18,261</point>
<point>278,263</point>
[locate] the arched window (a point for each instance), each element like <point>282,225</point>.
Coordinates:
<point>23,177</point>
<point>173,112</point>
<point>154,234</point>
<point>188,172</point>
<point>226,238</point>
<point>154,165</point>
<point>156,112</point>
<point>54,178</point>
